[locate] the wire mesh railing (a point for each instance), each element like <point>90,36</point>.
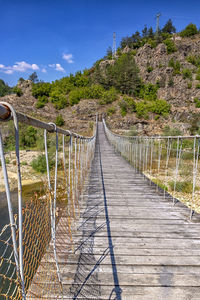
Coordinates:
<point>171,163</point>
<point>39,235</point>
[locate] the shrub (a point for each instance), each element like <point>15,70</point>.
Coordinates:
<point>59,120</point>
<point>91,125</point>
<point>80,79</point>
<point>187,74</point>
<point>142,110</point>
<point>149,91</point>
<point>40,105</point>
<point>194,60</point>
<point>39,164</point>
<point>149,68</point>
<point>175,65</point>
<point>111,111</point>
<point>131,105</point>
<point>75,96</point>
<point>198,77</point>
<point>198,86</point>
<point>189,30</point>
<point>160,107</point>
<point>197,102</point>
<point>95,91</point>
<point>41,89</point>
<point>42,100</point>
<point>123,107</point>
<point>59,100</point>
<point>189,86</point>
<point>171,47</point>
<point>109,96</point>
<point>152,43</point>
<point>17,91</point>
<point>28,137</point>
<point>127,104</point>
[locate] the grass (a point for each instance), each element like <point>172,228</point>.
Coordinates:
<point>181,186</point>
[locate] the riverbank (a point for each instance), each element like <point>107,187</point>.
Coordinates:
<point>29,176</point>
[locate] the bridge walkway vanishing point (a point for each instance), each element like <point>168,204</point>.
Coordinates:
<point>131,243</point>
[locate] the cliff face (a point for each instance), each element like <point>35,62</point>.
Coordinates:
<point>173,87</point>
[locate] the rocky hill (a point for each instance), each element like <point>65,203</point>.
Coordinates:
<point>175,74</point>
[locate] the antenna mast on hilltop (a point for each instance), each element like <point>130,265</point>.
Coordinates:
<point>114,45</point>
<point>157,22</point>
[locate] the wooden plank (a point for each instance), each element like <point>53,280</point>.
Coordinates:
<point>156,252</point>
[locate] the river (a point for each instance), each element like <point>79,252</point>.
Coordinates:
<point>27,193</point>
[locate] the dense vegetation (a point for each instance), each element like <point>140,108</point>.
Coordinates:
<point>4,88</point>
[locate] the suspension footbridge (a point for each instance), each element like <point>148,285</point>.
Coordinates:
<point>121,223</point>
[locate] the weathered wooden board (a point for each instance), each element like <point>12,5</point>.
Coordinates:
<point>156,248</point>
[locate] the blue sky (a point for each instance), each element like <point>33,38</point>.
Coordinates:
<point>56,38</point>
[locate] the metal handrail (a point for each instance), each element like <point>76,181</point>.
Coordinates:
<point>151,137</point>
<point>6,115</point>
<point>87,144</point>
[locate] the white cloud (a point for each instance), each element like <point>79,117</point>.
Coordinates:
<point>44,70</point>
<point>68,58</point>
<point>8,71</point>
<point>20,66</point>
<point>57,67</point>
<point>35,67</point>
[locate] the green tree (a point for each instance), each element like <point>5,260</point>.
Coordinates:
<point>132,42</point>
<point>189,30</point>
<point>150,33</point>
<point>109,53</point>
<point>33,77</point>
<point>28,137</point>
<point>123,75</point>
<point>168,27</point>
<point>4,89</point>
<point>145,31</point>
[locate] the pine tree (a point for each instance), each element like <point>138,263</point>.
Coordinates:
<point>169,28</point>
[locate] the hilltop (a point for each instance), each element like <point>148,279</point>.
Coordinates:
<point>152,80</point>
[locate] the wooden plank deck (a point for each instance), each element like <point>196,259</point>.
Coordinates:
<point>130,242</point>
